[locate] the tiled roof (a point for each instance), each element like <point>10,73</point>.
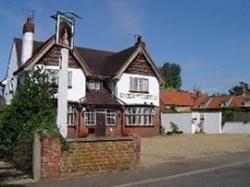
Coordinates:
<point>18,43</point>
<point>100,98</point>
<point>101,62</point>
<point>181,98</point>
<point>229,101</point>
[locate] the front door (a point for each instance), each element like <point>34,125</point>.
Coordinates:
<point>100,130</point>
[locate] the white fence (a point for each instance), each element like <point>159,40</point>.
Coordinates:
<point>191,122</point>
<point>236,127</point>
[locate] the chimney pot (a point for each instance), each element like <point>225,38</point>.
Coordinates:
<point>28,26</point>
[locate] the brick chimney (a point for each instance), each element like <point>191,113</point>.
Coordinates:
<point>27,46</point>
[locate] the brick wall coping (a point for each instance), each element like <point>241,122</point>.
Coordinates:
<point>101,139</point>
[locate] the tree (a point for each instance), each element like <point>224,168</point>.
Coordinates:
<point>171,74</point>
<point>239,89</point>
<point>32,110</point>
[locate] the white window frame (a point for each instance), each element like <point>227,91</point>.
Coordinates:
<point>53,76</point>
<point>71,114</point>
<point>94,84</point>
<point>138,84</point>
<point>110,114</point>
<point>139,116</point>
<point>90,113</point>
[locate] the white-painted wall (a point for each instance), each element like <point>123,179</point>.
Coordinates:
<point>212,122</point>
<point>182,120</point>
<point>78,89</point>
<point>236,128</point>
<point>123,93</point>
<point>12,67</point>
<point>188,122</point>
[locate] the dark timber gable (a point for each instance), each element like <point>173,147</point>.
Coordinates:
<point>52,57</point>
<point>140,66</point>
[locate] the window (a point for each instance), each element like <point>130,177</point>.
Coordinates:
<point>90,117</point>
<point>110,117</point>
<point>94,85</point>
<point>142,116</point>
<point>53,77</point>
<point>11,85</point>
<point>138,84</point>
<point>223,104</point>
<point>69,79</point>
<point>71,115</point>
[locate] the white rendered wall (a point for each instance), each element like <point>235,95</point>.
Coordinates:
<point>236,128</point>
<point>212,122</point>
<point>185,121</point>
<point>182,120</point>
<point>123,93</point>
<point>12,67</point>
<point>78,89</point>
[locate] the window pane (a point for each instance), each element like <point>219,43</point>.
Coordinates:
<point>139,115</point>
<point>110,117</point>
<point>70,79</point>
<point>90,117</point>
<point>71,115</point>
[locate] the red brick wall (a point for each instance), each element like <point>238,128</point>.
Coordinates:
<point>86,156</point>
<point>76,131</point>
<point>50,157</point>
<point>146,131</point>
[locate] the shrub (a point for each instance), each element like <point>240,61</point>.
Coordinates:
<point>31,111</point>
<point>174,127</point>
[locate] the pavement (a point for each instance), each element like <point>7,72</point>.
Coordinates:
<point>228,169</point>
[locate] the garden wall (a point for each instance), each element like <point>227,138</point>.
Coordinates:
<point>87,156</point>
<point>231,127</point>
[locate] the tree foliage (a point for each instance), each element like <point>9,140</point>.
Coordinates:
<point>239,89</point>
<point>172,75</point>
<point>32,110</point>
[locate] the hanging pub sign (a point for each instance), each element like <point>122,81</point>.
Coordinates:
<point>64,31</point>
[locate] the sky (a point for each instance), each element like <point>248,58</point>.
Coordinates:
<point>209,39</point>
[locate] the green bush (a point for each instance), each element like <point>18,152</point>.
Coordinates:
<point>32,110</point>
<point>174,127</point>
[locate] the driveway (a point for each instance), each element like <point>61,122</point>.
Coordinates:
<point>165,149</point>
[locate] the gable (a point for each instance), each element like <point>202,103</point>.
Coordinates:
<point>53,55</point>
<point>140,66</point>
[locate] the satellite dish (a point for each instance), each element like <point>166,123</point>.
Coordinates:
<point>39,67</point>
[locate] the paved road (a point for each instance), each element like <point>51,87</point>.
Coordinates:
<point>223,170</point>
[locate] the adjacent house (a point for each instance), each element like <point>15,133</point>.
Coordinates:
<point>227,101</point>
<point>181,101</point>
<point>116,90</point>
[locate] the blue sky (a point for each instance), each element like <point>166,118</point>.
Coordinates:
<point>210,39</point>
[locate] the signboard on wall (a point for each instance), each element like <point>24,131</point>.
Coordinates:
<point>64,31</point>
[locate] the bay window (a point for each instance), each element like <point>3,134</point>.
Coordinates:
<point>139,116</point>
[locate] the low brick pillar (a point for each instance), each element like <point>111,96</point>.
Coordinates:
<point>50,157</point>
<point>88,155</point>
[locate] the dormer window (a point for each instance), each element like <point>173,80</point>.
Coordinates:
<point>223,104</point>
<point>94,85</point>
<point>138,84</point>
